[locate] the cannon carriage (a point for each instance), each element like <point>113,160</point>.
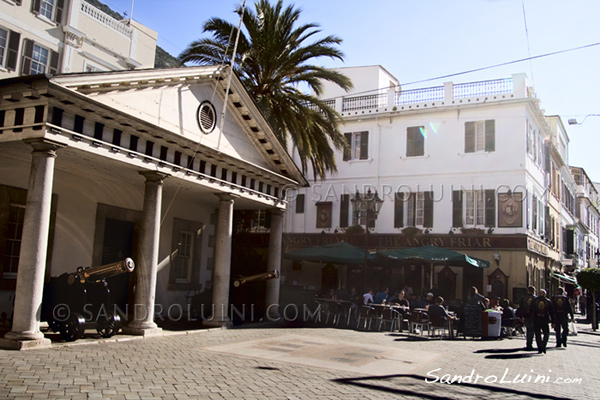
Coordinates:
<point>75,301</point>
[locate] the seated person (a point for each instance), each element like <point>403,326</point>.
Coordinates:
<point>430,298</point>
<point>368,297</point>
<point>418,303</point>
<point>508,313</point>
<point>381,296</point>
<point>438,310</point>
<point>399,299</point>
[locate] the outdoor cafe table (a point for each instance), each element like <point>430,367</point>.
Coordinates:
<point>333,304</point>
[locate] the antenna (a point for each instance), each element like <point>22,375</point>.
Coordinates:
<point>237,38</point>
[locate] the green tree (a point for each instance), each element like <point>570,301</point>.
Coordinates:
<point>589,278</point>
<point>275,56</point>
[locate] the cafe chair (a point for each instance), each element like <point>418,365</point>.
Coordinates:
<point>391,316</point>
<point>438,324</point>
<point>419,322</point>
<point>365,315</point>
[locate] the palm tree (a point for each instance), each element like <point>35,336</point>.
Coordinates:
<point>273,60</point>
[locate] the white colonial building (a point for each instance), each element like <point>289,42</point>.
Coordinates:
<point>143,164</point>
<point>475,167</point>
<point>61,36</point>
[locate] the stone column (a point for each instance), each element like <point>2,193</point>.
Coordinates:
<point>222,272</point>
<point>142,316</point>
<point>34,247</point>
<point>274,262</point>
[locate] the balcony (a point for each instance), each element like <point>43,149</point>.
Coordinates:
<point>448,95</point>
<point>106,20</point>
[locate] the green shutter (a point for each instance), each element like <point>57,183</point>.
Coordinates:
<point>399,210</point>
<point>410,142</point>
<point>428,210</point>
<point>490,135</point>
<point>469,137</point>
<point>344,207</point>
<point>27,56</point>
<point>14,38</point>
<point>348,148</point>
<point>60,5</point>
<point>490,208</point>
<point>53,67</point>
<point>457,209</point>
<point>364,145</point>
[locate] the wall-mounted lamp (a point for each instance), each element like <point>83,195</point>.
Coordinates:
<point>497,258</point>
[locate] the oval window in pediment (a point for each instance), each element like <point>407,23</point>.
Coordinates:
<point>207,117</point>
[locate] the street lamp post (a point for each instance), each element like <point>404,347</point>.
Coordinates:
<point>573,121</point>
<point>366,207</point>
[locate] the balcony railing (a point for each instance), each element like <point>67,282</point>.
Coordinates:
<point>106,19</point>
<point>507,87</point>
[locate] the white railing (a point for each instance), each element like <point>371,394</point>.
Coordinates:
<point>106,19</point>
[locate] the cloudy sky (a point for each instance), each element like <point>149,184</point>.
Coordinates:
<point>417,40</point>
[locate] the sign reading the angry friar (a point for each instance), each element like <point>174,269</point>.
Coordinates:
<point>510,210</point>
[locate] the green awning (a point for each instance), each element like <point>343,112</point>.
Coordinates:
<point>565,278</point>
<point>339,252</point>
<point>433,255</point>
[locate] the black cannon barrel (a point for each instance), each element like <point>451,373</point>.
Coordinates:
<point>265,275</point>
<point>95,274</point>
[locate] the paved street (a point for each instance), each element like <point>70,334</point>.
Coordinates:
<point>262,362</point>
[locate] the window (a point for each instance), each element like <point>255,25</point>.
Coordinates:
<point>480,136</point>
<point>14,224</point>
<point>183,262</point>
<point>413,209</point>
<point>358,146</point>
<point>473,208</point>
<point>9,48</point>
<point>415,141</point>
<point>38,59</point>
<point>186,239</point>
<point>49,9</point>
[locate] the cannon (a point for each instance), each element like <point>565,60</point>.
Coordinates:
<point>74,301</point>
<point>242,280</point>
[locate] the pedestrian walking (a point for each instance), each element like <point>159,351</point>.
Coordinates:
<point>541,309</point>
<point>561,307</point>
<point>524,313</point>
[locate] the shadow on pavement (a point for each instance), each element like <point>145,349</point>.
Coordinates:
<point>436,390</point>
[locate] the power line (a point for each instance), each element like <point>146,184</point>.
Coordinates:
<point>505,63</point>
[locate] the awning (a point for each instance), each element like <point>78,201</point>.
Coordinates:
<point>340,252</point>
<point>433,255</point>
<point>565,278</point>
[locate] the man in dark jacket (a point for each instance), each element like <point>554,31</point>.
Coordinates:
<point>524,313</point>
<point>561,306</point>
<point>541,310</point>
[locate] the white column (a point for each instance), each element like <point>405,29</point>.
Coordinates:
<point>142,316</point>
<point>222,272</point>
<point>274,262</point>
<point>34,247</point>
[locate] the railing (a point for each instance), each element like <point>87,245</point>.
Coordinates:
<point>364,102</point>
<point>474,89</point>
<point>420,95</point>
<point>106,19</point>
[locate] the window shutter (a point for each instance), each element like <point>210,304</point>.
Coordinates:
<point>35,6</point>
<point>364,145</point>
<point>60,5</point>
<point>457,209</point>
<point>490,208</point>
<point>547,161</point>
<point>300,203</point>
<point>27,56</point>
<point>412,204</point>
<point>53,67</point>
<point>348,148</point>
<point>469,137</point>
<point>399,210</point>
<point>14,38</point>
<point>490,135</point>
<point>419,141</point>
<point>344,207</point>
<point>410,142</point>
<point>428,210</point>
<point>98,130</point>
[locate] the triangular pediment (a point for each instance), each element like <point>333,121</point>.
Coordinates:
<point>189,102</point>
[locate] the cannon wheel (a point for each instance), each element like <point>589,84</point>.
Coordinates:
<point>110,326</point>
<point>73,328</point>
<point>54,325</point>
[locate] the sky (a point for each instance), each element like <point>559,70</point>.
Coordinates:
<point>417,40</point>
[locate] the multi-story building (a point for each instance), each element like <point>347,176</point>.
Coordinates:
<point>59,36</point>
<point>475,167</point>
<point>588,217</point>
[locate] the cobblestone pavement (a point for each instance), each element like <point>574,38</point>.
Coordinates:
<point>259,362</point>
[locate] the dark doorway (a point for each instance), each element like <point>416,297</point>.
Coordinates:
<point>118,240</point>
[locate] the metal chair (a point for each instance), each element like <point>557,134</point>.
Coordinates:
<point>365,314</point>
<point>419,321</point>
<point>438,323</point>
<point>389,315</point>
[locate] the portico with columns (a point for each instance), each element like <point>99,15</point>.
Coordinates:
<point>112,176</point>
